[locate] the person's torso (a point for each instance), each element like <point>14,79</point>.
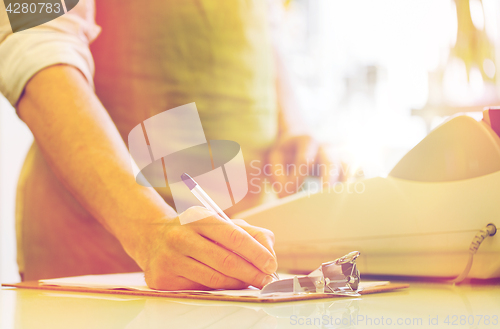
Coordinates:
<point>156,55</point>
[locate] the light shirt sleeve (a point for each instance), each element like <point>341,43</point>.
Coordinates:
<point>64,40</point>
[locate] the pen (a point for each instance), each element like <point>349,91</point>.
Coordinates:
<point>205,200</point>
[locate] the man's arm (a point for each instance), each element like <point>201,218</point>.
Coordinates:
<point>84,149</point>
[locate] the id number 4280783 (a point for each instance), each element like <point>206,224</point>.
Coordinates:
<point>471,320</point>
<point>34,8</point>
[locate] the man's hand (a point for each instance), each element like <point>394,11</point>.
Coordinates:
<point>84,149</point>
<point>296,157</point>
<point>208,254</point>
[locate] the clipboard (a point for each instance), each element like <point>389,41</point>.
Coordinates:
<point>191,295</point>
<point>335,279</point>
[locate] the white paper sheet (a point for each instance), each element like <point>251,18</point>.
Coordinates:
<point>136,281</point>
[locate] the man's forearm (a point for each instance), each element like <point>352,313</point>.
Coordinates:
<point>84,149</point>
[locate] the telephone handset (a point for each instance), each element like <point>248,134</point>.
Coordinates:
<point>418,221</point>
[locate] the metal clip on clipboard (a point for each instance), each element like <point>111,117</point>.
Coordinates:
<point>338,277</point>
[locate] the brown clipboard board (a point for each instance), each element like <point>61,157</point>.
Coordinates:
<point>189,295</point>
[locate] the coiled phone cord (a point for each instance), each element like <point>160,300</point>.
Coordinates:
<point>489,230</point>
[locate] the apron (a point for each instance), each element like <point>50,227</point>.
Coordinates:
<point>150,57</point>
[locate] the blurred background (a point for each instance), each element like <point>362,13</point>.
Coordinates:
<point>372,77</point>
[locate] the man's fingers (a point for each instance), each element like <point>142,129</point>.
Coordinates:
<point>279,173</point>
<point>236,239</point>
<point>188,273</point>
<point>226,262</point>
<point>303,150</point>
<point>276,159</point>
<point>209,277</point>
<point>162,280</point>
<point>307,149</point>
<point>262,235</point>
<point>324,163</point>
